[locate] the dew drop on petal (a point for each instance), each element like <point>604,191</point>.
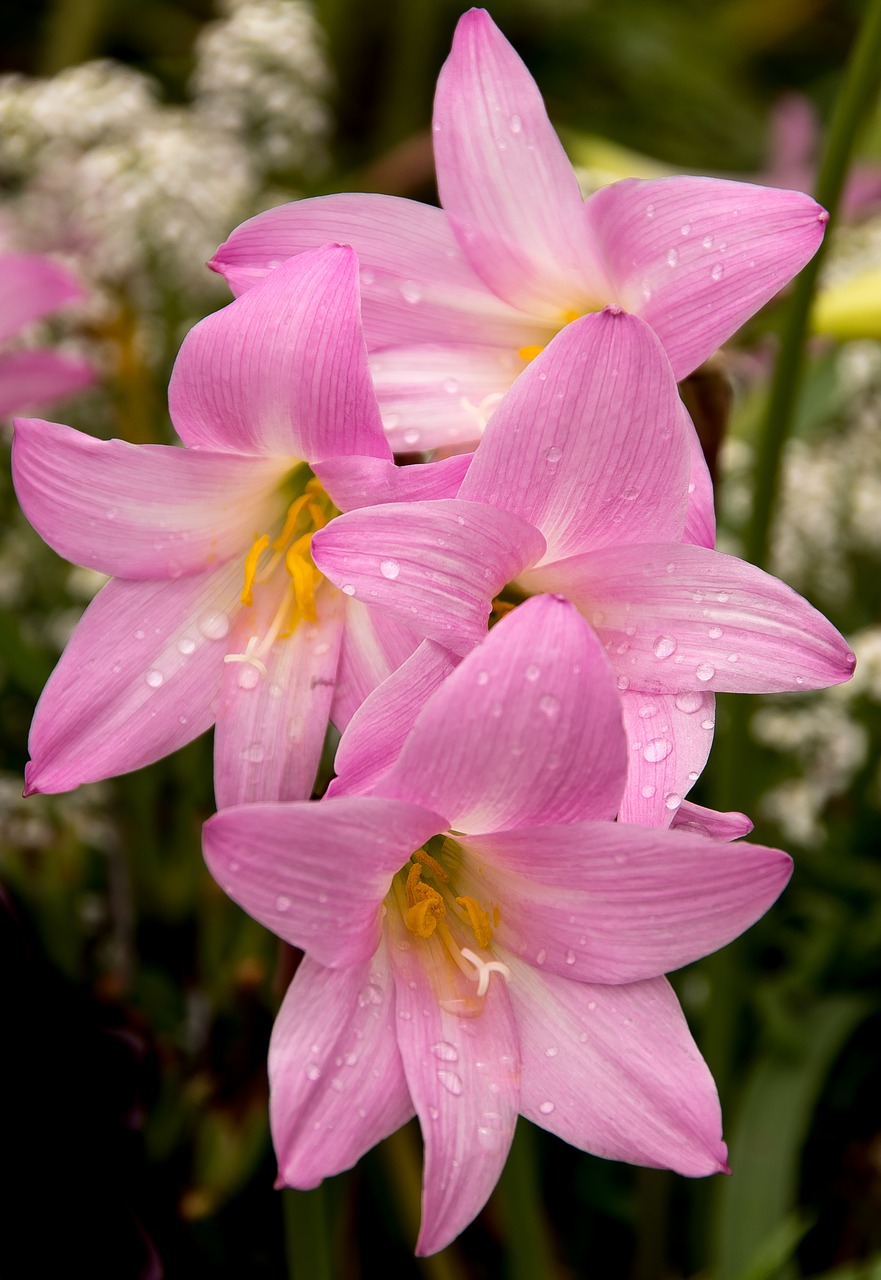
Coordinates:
<point>672,257</point>
<point>249,677</point>
<point>313,1071</point>
<point>551,1051</point>
<point>708,724</point>
<point>672,800</point>
<point>689,702</point>
<point>571,957</point>
<point>282,903</point>
<point>705,671</point>
<point>154,679</point>
<point>546,1108</point>
<point>139,635</point>
<point>647,711</point>
<point>685,229</point>
<point>388,569</point>
<point>664,646</point>
<point>214,626</point>
<point>648,792</point>
<point>445,1051</point>
<point>623,682</point>
<point>554,454</point>
<point>541,956</point>
<point>717,272</point>
<point>410,291</point>
<point>707,242</point>
<point>483,677</point>
<point>656,750</point>
<point>186,645</point>
<point>549,705</point>
<point>733,657</point>
<point>348,589</point>
<point>410,437</point>
<point>532,672</point>
<point>254,753</point>
<point>516,124</point>
<point>714,633</point>
<point>451,1082</point>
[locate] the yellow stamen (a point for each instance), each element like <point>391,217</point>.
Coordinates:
<point>302,572</point>
<point>478,920</point>
<point>252,559</point>
<point>426,913</point>
<point>569,316</point>
<point>530,352</point>
<point>428,861</point>
<point>290,524</point>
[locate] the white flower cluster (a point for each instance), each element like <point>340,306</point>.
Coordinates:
<point>261,75</point>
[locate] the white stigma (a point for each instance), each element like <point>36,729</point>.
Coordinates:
<point>485,968</point>
<point>248,656</point>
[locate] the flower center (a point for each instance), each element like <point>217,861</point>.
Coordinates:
<point>288,554</point>
<point>429,910</point>
<point>533,349</point>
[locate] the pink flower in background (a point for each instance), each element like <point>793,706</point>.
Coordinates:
<point>31,287</point>
<point>482,940</point>
<point>592,450</point>
<point>216,610</point>
<point>457,300</point>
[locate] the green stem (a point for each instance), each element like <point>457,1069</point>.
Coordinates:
<point>528,1252</point>
<point>307,1243</point>
<point>854,100</point>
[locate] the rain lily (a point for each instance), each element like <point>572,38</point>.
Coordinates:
<point>31,287</point>
<point>216,610</point>
<point>457,300</point>
<point>592,450</point>
<point>482,940</point>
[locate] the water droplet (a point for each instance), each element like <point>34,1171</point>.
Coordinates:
<point>404,1015</point>
<point>410,291</point>
<point>685,229</point>
<point>433,1112</point>
<point>154,679</point>
<point>708,724</point>
<point>370,995</point>
<point>541,956</point>
<point>553,454</point>
<point>549,704</point>
<point>282,903</point>
<point>623,682</point>
<point>650,211</point>
<point>656,750</point>
<point>139,635</point>
<point>630,493</point>
<point>450,385</point>
<point>445,1051</point>
<point>451,1082</point>
<point>707,242</point>
<point>689,702</point>
<point>389,569</point>
<point>214,626</point>
<point>348,589</point>
<point>648,792</point>
<point>672,800</point>
<point>733,657</point>
<point>571,957</point>
<point>705,671</point>
<point>249,677</point>
<point>254,753</point>
<point>551,1051</point>
<point>672,257</point>
<point>546,1108</point>
<point>411,436</point>
<point>714,633</point>
<point>313,1071</point>
<point>186,645</point>
<point>647,711</point>
<point>116,668</point>
<point>516,124</point>
<point>664,646</point>
<point>321,649</point>
<point>717,272</point>
<point>533,672</point>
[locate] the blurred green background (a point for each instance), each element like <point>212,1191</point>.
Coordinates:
<point>136,1000</point>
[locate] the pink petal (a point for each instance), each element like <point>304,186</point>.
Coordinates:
<point>463,1075</point>
<point>505,181</point>
<point>696,257</point>
<point>32,286</point>
<point>669,738</point>
<point>316,873</point>
<point>373,647</point>
<point>35,378</point>
<point>271,727</point>
<point>603,902</point>
<point>614,1071</point>
<point>140,510</point>
<point>526,730</point>
<point>366,482</point>
<point>700,520</point>
<point>376,732</point>
<point>684,618</point>
<point>441,396</point>
<point>138,679</point>
<point>709,822</point>
<point>416,283</point>
<point>591,444</point>
<point>283,369</point>
<point>335,1074</point>
<point>434,566</point>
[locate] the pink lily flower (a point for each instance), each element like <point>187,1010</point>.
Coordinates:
<point>592,450</point>
<point>31,287</point>
<point>482,940</point>
<point>216,610</point>
<point>457,300</point>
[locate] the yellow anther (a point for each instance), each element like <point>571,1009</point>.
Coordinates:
<point>252,559</point>
<point>414,875</point>
<point>568,316</point>
<point>290,522</point>
<point>428,861</point>
<point>302,572</point>
<point>478,920</point>
<point>426,912</point>
<point>530,352</point>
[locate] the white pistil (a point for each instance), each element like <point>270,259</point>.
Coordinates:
<point>485,968</point>
<point>249,656</point>
<point>482,412</point>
